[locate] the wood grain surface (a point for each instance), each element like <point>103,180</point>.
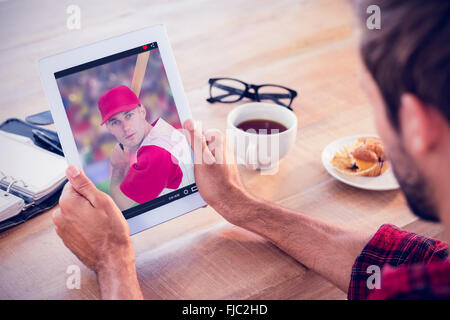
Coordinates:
<point>310,46</point>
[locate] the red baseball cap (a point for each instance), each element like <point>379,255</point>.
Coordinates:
<point>115,100</point>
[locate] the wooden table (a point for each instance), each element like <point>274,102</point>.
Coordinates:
<point>310,46</point>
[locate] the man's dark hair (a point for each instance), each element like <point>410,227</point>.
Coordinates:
<point>410,53</point>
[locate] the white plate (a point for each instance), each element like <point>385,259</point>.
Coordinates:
<point>384,182</point>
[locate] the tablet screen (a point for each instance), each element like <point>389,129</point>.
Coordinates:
<point>127,129</point>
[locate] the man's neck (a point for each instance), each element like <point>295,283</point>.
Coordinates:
<point>441,181</point>
<point>148,128</point>
<point>442,194</point>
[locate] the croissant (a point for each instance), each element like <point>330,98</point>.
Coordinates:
<point>365,157</point>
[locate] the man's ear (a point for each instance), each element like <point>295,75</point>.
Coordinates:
<point>421,125</point>
<point>142,110</point>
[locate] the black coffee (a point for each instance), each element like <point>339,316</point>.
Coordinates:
<point>261,124</point>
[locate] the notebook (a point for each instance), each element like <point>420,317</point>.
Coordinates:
<point>10,205</point>
<point>27,171</point>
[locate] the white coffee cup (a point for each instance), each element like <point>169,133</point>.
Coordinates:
<point>261,151</point>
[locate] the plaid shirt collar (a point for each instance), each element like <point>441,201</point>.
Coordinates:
<point>412,267</point>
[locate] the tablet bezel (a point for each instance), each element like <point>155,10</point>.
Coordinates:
<point>62,61</point>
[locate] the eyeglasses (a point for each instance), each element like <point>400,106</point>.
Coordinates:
<point>229,90</point>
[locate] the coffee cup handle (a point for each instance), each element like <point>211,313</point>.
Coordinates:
<point>251,159</point>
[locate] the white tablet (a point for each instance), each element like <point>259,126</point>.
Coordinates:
<point>118,107</point>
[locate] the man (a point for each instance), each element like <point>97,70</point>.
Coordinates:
<point>145,163</point>
<point>405,74</point>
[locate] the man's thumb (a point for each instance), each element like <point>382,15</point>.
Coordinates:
<point>189,127</point>
<point>81,183</point>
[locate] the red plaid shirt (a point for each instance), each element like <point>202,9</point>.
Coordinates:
<point>412,267</point>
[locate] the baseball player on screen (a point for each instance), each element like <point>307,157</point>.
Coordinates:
<point>149,160</point>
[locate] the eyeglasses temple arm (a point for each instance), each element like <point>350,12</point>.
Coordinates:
<point>275,96</point>
<point>229,89</point>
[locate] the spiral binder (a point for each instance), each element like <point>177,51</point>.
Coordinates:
<point>8,188</point>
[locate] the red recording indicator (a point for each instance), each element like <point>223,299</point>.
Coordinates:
<point>144,47</point>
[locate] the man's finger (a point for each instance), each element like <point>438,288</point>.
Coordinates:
<point>68,195</point>
<point>214,141</point>
<point>189,131</point>
<point>198,142</point>
<point>58,218</point>
<point>195,134</point>
<point>82,184</point>
<point>66,190</point>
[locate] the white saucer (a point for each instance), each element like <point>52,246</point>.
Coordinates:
<point>384,182</point>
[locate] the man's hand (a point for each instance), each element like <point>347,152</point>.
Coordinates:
<point>120,159</point>
<point>216,173</point>
<point>120,164</point>
<point>94,229</point>
<point>327,249</point>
